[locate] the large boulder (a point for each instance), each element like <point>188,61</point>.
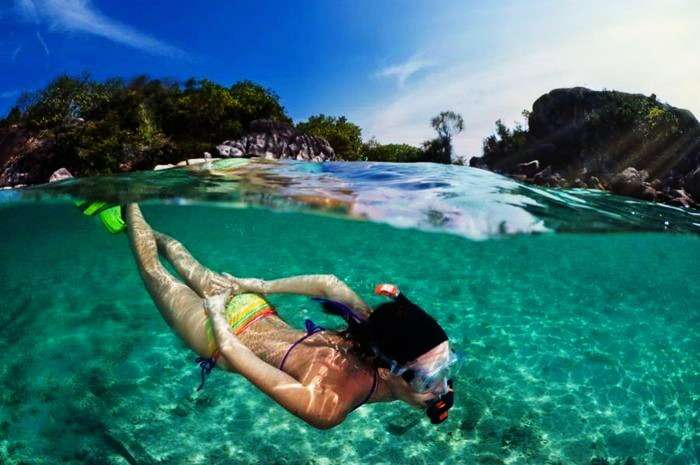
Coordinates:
<point>630,182</point>
<point>60,174</point>
<point>632,143</point>
<point>598,129</point>
<point>633,183</point>
<point>276,140</point>
<point>563,109</point>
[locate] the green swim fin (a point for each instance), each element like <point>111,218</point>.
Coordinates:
<point>112,219</point>
<point>110,215</point>
<point>91,208</point>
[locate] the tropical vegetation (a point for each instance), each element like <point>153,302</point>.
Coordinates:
<point>99,127</point>
<point>117,125</point>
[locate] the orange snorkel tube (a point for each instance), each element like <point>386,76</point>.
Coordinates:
<point>387,290</point>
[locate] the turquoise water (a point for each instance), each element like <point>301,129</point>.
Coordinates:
<point>576,313</point>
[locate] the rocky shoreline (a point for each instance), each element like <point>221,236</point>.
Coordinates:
<point>628,144</point>
<point>276,140</point>
<point>28,159</point>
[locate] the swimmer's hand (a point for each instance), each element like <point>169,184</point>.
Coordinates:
<point>239,285</point>
<point>215,306</point>
<point>222,283</point>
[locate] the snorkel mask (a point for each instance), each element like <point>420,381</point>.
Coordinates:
<point>434,379</point>
<point>425,374</point>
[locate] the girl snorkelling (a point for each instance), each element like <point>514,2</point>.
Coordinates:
<point>393,352</point>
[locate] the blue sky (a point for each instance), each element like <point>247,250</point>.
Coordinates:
<point>387,65</point>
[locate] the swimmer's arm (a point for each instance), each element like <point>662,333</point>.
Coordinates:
<point>315,285</point>
<point>320,407</point>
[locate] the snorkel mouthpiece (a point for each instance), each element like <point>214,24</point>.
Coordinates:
<point>437,408</point>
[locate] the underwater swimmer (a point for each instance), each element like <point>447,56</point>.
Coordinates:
<point>393,352</point>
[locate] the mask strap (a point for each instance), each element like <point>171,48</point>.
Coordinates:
<point>347,313</point>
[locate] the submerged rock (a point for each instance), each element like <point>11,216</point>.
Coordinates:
<point>627,443</point>
<point>276,140</point>
<point>401,426</point>
<point>523,438</point>
<point>473,411</point>
<point>578,452</point>
<point>489,459</point>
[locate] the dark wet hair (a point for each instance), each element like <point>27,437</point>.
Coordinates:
<point>400,330</point>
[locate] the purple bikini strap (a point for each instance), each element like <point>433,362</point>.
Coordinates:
<point>311,328</point>
<point>370,393</point>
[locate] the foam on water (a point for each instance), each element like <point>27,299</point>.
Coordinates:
<point>455,199</point>
<point>577,346</point>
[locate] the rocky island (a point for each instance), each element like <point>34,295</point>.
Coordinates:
<point>629,144</point>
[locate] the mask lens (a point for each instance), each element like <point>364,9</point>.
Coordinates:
<point>435,380</point>
<point>432,382</point>
<point>421,381</point>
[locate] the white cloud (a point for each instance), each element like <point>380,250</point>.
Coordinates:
<point>27,10</point>
<point>82,16</point>
<point>405,70</point>
<point>16,52</point>
<point>41,40</point>
<point>649,53</point>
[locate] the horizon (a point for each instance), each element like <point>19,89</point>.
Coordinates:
<point>390,77</point>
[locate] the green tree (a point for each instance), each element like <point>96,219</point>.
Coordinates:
<point>103,127</point>
<point>252,101</point>
<point>205,111</point>
<point>374,151</point>
<point>344,136</point>
<point>65,100</point>
<point>438,150</point>
<point>505,141</point>
<point>447,124</point>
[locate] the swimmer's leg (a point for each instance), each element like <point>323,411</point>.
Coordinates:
<point>179,305</point>
<point>204,281</point>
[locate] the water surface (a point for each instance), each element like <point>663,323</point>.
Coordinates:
<point>576,313</point>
